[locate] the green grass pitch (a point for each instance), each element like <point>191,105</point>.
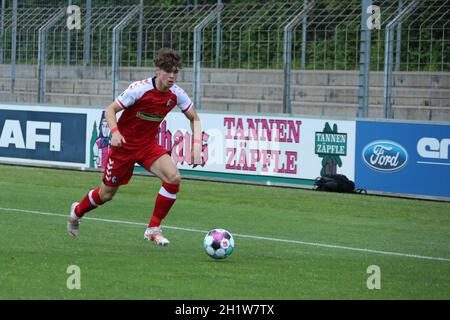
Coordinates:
<point>290,244</point>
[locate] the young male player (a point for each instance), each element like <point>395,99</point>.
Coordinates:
<point>134,140</point>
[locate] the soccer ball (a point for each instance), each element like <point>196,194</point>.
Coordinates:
<point>218,243</point>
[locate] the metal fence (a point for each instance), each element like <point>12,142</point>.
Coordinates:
<point>163,26</point>
<point>292,37</point>
<point>426,34</point>
<point>422,45</point>
<point>330,37</point>
<point>89,45</point>
<point>64,3</point>
<point>250,35</point>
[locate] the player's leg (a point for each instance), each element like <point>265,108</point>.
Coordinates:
<point>166,170</point>
<point>118,172</point>
<point>94,198</point>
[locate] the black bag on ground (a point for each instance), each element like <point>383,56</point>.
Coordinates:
<point>336,183</point>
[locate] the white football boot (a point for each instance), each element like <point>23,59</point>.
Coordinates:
<point>73,225</point>
<point>155,234</point>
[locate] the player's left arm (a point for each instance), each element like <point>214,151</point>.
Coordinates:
<point>196,128</point>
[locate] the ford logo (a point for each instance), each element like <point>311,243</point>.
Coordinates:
<point>385,156</point>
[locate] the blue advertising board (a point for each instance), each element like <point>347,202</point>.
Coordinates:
<point>407,158</point>
<point>49,136</point>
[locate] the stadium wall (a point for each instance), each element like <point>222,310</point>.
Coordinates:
<point>387,157</point>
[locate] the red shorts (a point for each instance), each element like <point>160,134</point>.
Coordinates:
<point>120,165</point>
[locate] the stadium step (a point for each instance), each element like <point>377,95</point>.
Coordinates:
<point>239,90</point>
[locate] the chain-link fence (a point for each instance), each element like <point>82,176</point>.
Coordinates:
<point>417,78</point>
<point>243,54</point>
<point>65,3</point>
<point>250,35</point>
<point>28,23</point>
<point>331,33</point>
<point>163,26</point>
<point>426,38</point>
<point>88,45</point>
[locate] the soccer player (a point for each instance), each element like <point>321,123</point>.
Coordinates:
<point>134,140</point>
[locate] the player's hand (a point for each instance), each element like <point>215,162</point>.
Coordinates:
<point>117,139</point>
<point>196,158</point>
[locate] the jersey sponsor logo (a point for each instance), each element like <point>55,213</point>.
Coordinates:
<point>150,117</point>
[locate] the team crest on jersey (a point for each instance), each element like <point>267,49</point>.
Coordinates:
<point>169,103</point>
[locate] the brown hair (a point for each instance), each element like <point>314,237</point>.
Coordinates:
<point>168,60</point>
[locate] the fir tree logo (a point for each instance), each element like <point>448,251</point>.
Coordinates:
<point>330,145</point>
<point>94,138</point>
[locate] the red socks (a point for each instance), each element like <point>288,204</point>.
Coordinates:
<point>164,201</point>
<point>90,202</point>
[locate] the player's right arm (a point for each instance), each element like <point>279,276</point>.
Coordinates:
<point>110,115</point>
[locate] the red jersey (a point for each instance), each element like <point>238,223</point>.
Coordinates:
<point>145,107</point>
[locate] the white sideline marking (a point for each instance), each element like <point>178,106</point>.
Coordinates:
<point>323,245</point>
